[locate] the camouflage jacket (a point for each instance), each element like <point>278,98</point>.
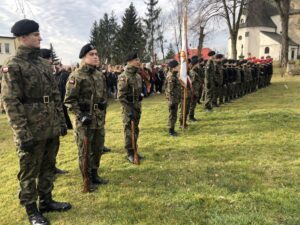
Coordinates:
<point>130,88</point>
<point>218,78</point>
<point>196,77</point>
<point>86,94</point>
<point>209,74</point>
<point>173,87</point>
<point>30,96</point>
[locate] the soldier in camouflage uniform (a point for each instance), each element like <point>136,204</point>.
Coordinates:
<point>218,80</point>
<point>209,82</point>
<point>33,107</point>
<point>173,91</point>
<point>86,99</point>
<point>196,83</point>
<point>130,96</point>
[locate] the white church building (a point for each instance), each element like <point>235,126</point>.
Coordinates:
<point>260,31</point>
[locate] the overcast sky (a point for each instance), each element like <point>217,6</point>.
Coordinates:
<point>67,23</point>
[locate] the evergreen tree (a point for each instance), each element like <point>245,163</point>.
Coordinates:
<point>131,36</point>
<point>54,57</point>
<point>103,36</point>
<point>170,53</point>
<point>152,15</point>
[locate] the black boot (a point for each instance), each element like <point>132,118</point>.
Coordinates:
<point>106,149</point>
<point>96,179</point>
<point>49,205</point>
<point>193,119</point>
<point>59,171</point>
<point>172,132</point>
<point>34,216</point>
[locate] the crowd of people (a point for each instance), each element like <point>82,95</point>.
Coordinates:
<point>38,95</point>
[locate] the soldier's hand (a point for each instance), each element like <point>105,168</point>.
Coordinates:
<point>63,131</point>
<point>131,115</point>
<point>85,119</point>
<point>27,145</point>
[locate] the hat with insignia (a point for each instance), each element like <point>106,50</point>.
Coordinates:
<point>172,64</point>
<point>131,56</point>
<point>85,49</point>
<point>219,56</point>
<point>211,53</point>
<point>45,53</point>
<point>194,60</point>
<point>24,27</point>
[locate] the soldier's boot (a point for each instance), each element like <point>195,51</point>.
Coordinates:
<point>106,149</point>
<point>172,132</point>
<point>96,179</point>
<point>59,171</point>
<point>34,216</point>
<point>192,118</point>
<point>47,204</point>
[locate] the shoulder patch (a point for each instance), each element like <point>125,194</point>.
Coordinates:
<point>5,69</point>
<point>72,81</point>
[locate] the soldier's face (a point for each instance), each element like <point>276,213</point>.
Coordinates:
<point>32,40</point>
<point>135,62</point>
<point>92,58</point>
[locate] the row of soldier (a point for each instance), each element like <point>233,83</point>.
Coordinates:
<point>34,107</point>
<point>213,82</point>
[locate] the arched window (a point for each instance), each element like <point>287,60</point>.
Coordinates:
<point>267,50</point>
<point>240,37</point>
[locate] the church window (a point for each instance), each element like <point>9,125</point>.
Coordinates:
<point>247,34</point>
<point>267,50</point>
<point>240,37</point>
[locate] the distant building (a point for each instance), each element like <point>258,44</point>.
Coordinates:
<point>260,31</point>
<point>7,48</point>
<point>194,51</point>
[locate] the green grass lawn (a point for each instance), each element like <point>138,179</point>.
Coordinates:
<point>237,165</point>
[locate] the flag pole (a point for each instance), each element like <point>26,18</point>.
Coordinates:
<point>184,48</point>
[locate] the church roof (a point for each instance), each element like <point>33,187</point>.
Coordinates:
<point>258,14</point>
<point>277,37</point>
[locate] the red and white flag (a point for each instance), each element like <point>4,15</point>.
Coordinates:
<point>183,53</point>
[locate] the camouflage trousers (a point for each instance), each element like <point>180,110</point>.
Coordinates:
<point>208,97</point>
<point>217,93</point>
<point>36,173</point>
<point>173,109</point>
<point>95,147</point>
<point>1,105</point>
<point>187,109</point>
<point>126,113</point>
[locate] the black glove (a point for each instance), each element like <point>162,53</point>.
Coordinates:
<point>63,131</point>
<point>173,106</point>
<point>131,115</point>
<point>27,146</point>
<point>102,105</point>
<point>141,97</point>
<point>85,119</point>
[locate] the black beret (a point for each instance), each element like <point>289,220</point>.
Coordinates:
<point>219,56</point>
<point>194,60</point>
<point>211,53</point>
<point>85,49</point>
<point>24,27</point>
<point>45,53</point>
<point>173,64</point>
<point>131,56</point>
<point>201,59</point>
<point>224,61</point>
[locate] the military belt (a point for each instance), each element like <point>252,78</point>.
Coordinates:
<point>45,99</point>
<point>86,107</point>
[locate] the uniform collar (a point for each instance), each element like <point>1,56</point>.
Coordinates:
<point>88,68</point>
<point>131,69</point>
<point>28,53</point>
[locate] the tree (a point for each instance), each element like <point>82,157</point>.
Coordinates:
<point>103,36</point>
<point>202,14</point>
<point>284,11</point>
<point>152,15</point>
<point>131,36</point>
<point>170,53</point>
<point>160,35</point>
<point>54,57</point>
<point>231,10</point>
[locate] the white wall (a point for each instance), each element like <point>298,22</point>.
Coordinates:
<point>12,48</point>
